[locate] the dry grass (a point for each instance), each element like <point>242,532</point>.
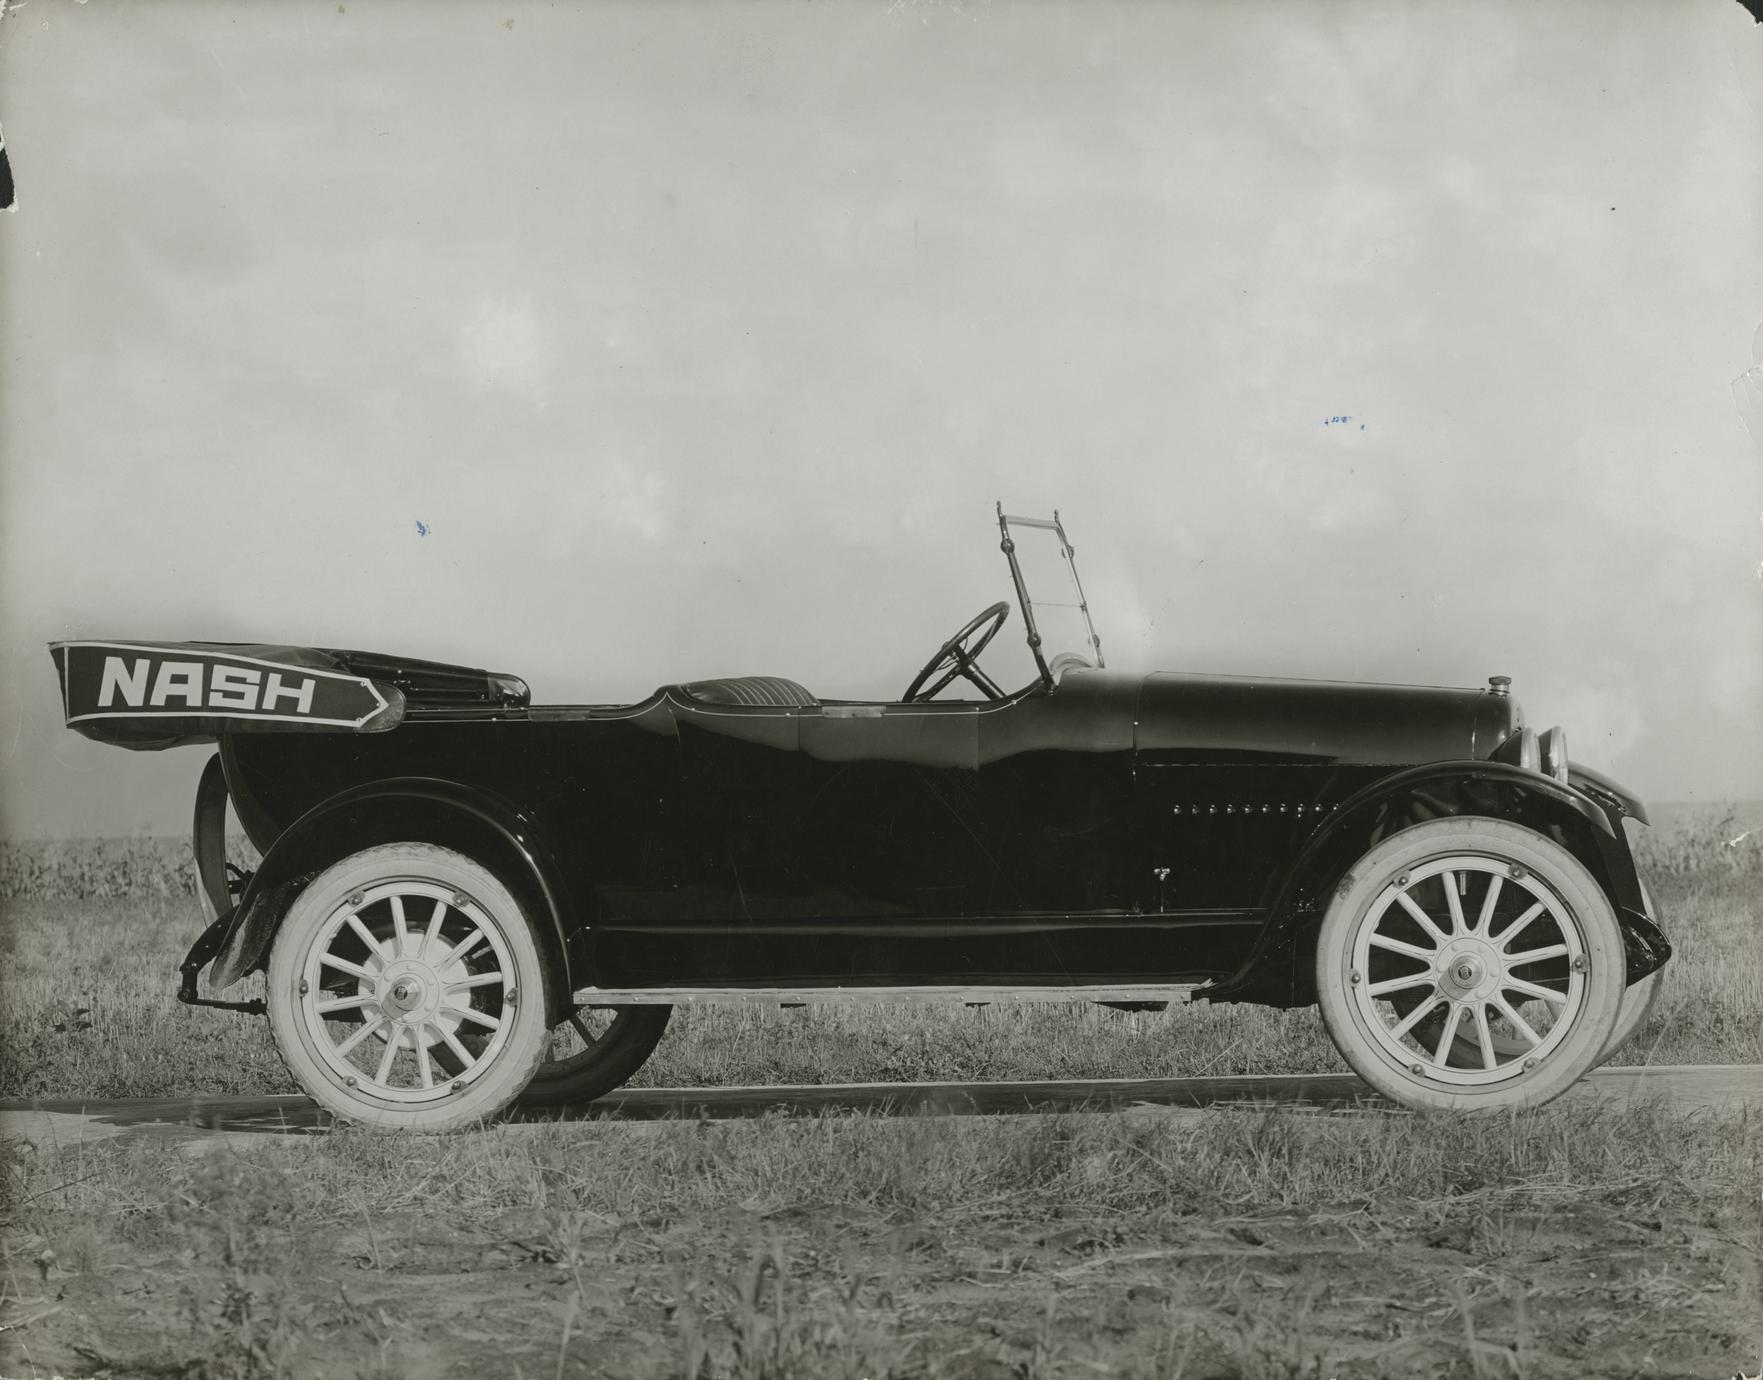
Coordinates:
<point>1570,1241</point>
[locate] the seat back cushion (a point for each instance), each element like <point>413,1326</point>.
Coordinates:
<point>772,691</point>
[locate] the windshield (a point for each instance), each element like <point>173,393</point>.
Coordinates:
<point>1054,610</point>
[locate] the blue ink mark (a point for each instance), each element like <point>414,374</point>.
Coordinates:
<point>422,528</point>
<point>1341,420</point>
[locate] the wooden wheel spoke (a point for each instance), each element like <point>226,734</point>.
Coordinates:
<point>1524,956</point>
<point>1421,918</point>
<point>1414,1017</point>
<point>1519,1024</point>
<point>1532,989</point>
<point>1511,931</point>
<point>374,947</point>
<point>1399,984</point>
<point>1442,1051</point>
<point>1488,902</point>
<point>391,1052</point>
<point>433,933</point>
<point>476,980</point>
<point>344,1050</point>
<point>1484,1038</point>
<point>466,1058</point>
<point>1400,946</point>
<point>400,929</point>
<point>463,947</point>
<point>343,965</point>
<point>424,1069</point>
<point>1454,902</point>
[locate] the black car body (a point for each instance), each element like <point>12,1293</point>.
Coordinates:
<point>1097,834</point>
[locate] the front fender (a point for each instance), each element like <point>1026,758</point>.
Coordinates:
<point>423,809</point>
<point>1273,972</point>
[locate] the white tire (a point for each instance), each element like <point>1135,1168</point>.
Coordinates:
<point>1419,944</point>
<point>1638,1001</point>
<point>1637,1004</point>
<point>407,990</point>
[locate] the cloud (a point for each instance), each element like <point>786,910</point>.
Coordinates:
<point>503,348</point>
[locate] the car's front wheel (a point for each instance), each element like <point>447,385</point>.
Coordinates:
<point>1470,963</point>
<point>407,990</point>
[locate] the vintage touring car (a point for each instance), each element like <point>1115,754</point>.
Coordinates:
<point>466,899</point>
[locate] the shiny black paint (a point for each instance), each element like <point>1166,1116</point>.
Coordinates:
<point>1116,828</point>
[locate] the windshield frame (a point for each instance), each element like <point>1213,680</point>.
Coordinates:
<point>1008,545</point>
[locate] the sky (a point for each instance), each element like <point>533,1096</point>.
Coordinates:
<point>613,345</point>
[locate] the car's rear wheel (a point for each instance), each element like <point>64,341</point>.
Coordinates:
<point>594,1050</point>
<point>1470,963</point>
<point>407,990</point>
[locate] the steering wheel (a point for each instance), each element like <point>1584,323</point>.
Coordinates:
<point>959,656</point>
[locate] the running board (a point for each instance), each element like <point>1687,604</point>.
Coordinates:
<point>816,996</point>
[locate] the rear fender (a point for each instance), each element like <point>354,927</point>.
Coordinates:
<point>425,809</point>
<point>1277,970</point>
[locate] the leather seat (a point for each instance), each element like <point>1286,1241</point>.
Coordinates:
<point>768,691</point>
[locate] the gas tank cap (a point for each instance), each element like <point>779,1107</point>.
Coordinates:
<point>1500,685</point>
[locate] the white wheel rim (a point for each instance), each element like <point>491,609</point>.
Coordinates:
<point>402,979</point>
<point>1462,935</point>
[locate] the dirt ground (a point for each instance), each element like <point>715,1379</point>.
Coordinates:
<point>233,1273</point>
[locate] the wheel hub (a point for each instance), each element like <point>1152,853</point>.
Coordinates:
<point>410,991</point>
<point>1468,970</point>
<point>405,996</point>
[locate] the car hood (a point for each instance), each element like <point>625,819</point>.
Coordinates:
<point>1319,721</point>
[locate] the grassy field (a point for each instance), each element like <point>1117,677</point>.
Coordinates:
<point>1570,1241</point>
<point>1575,1240</point>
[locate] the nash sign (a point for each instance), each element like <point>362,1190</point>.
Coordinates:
<point>120,680</point>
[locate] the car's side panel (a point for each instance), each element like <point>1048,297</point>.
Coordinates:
<point>1221,829</point>
<point>840,820</point>
<point>611,847</point>
<point>839,843</point>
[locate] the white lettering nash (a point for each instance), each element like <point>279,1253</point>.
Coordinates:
<point>274,690</point>
<point>132,682</point>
